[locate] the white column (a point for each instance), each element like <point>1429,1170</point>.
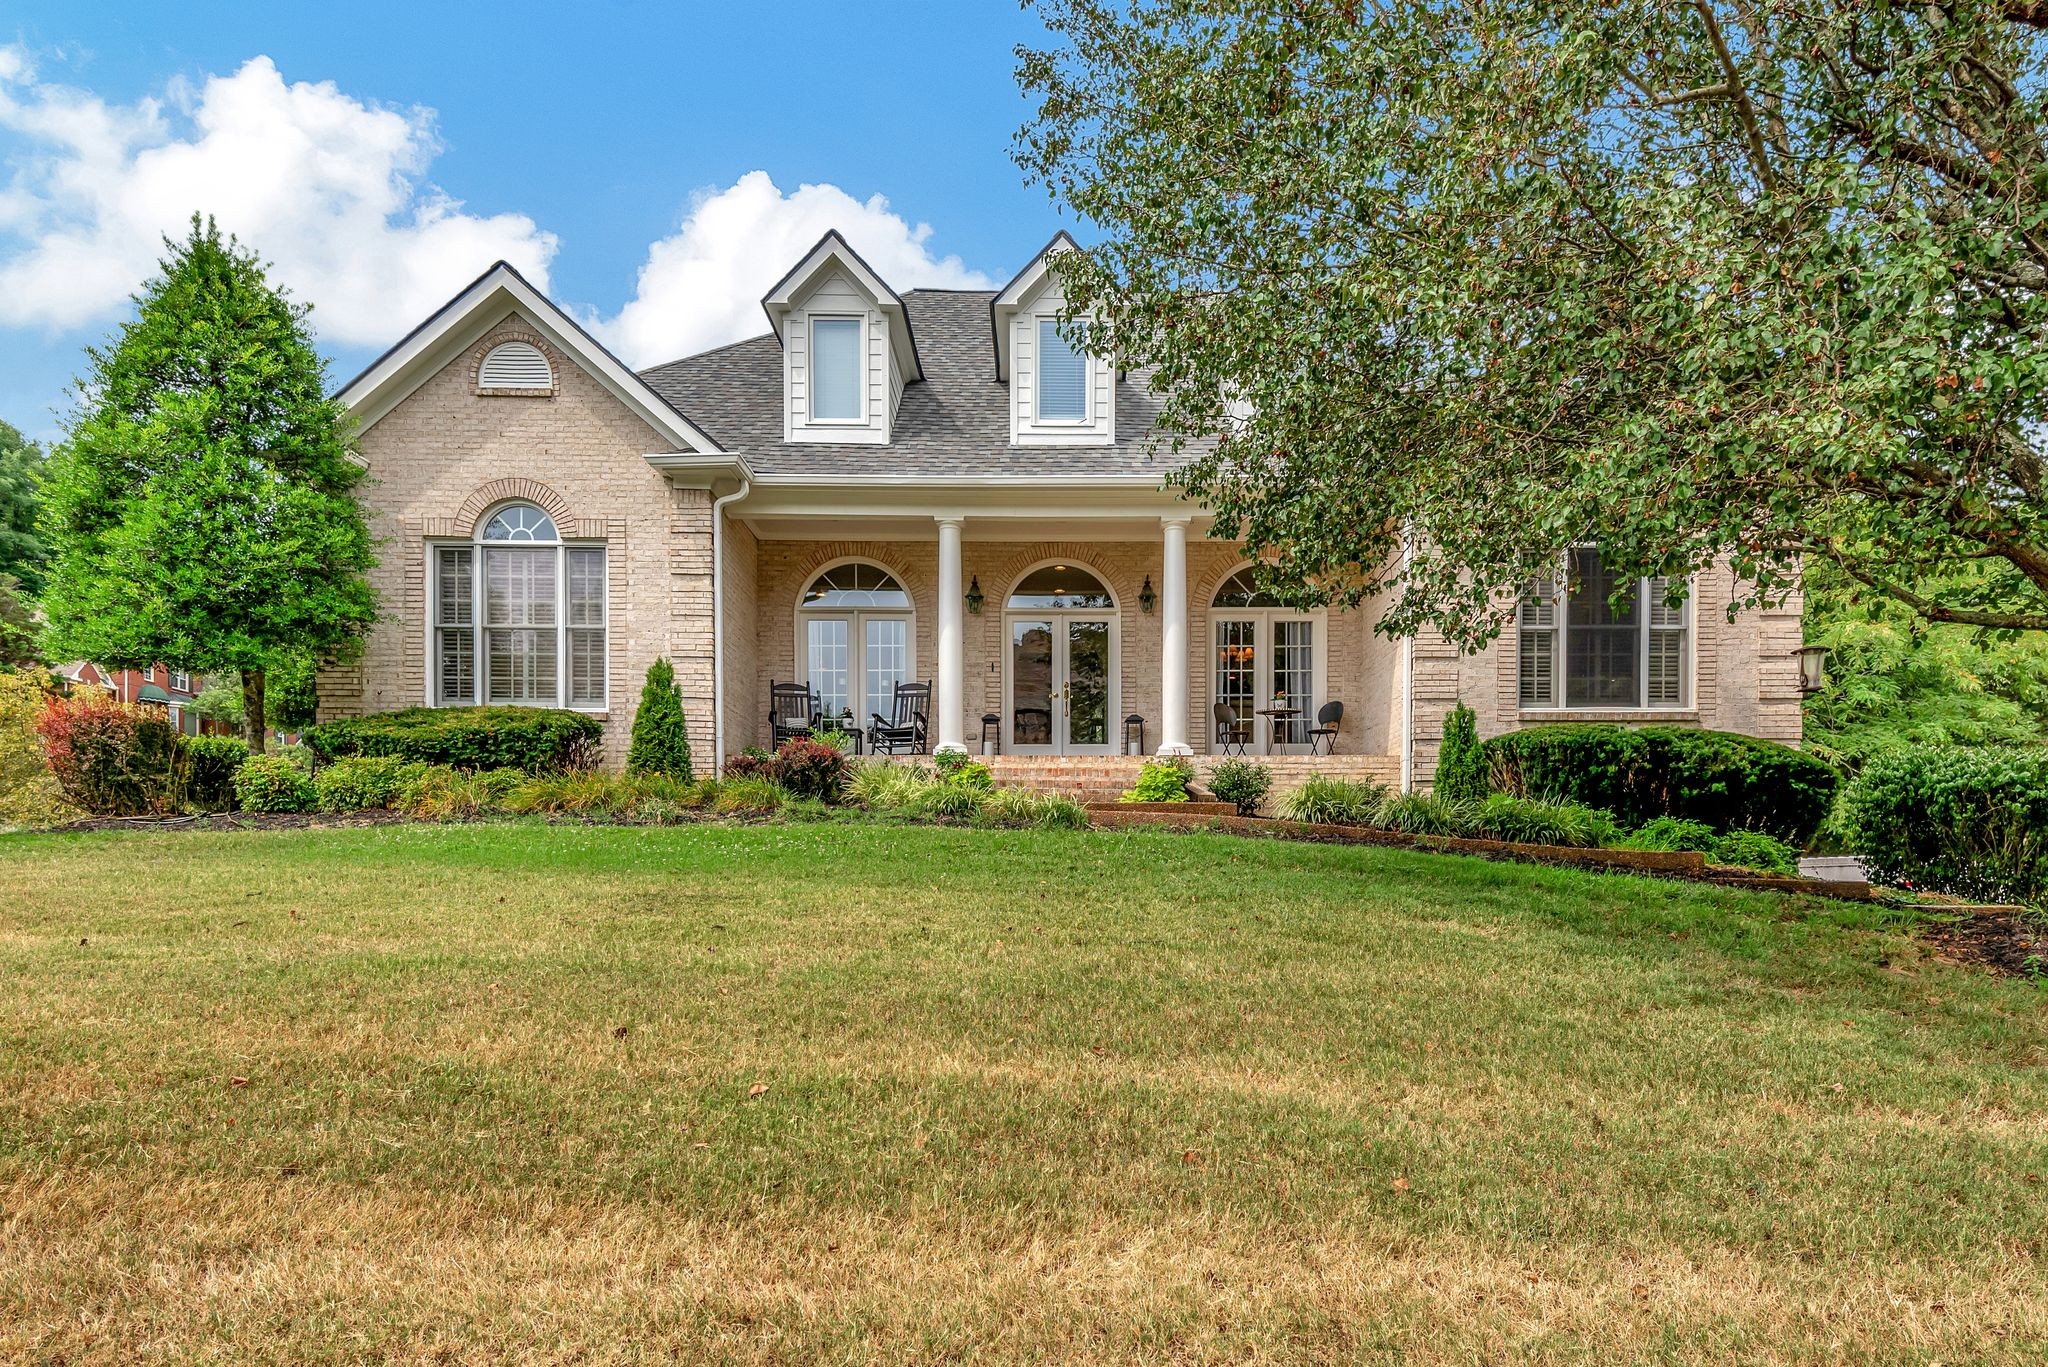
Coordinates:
<point>951,702</point>
<point>1173,643</point>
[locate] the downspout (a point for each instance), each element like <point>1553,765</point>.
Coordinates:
<point>1407,687</point>
<point>718,622</point>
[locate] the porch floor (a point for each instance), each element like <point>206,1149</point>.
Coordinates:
<point>1103,778</point>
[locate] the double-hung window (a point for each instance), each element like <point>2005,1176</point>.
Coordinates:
<point>836,369</point>
<point>519,616</point>
<point>1589,639</point>
<point>1062,376</point>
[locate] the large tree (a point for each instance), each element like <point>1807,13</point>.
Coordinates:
<point>22,552</point>
<point>1457,285</point>
<point>199,509</point>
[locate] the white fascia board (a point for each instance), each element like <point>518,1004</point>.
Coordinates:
<point>834,251</point>
<point>498,293</point>
<point>1014,295</point>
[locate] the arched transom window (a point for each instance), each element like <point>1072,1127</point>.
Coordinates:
<point>1059,587</point>
<point>854,632</point>
<point>531,605</point>
<point>1241,590</point>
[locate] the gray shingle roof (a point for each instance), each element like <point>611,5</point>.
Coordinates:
<point>955,422</point>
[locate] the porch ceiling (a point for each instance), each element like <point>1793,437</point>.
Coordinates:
<point>1071,525</point>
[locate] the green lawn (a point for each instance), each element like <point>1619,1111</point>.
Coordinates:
<point>478,1092</point>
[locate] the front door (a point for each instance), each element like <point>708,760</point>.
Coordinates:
<point>1268,669</point>
<point>1060,684</point>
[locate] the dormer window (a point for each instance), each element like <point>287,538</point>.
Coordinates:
<point>1062,376</point>
<point>836,369</point>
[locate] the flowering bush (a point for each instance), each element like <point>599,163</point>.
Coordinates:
<point>808,768</point>
<point>111,758</point>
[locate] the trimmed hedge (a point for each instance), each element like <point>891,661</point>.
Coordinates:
<point>272,783</point>
<point>362,782</point>
<point>1970,821</point>
<point>535,740</point>
<point>210,765</point>
<point>1728,781</point>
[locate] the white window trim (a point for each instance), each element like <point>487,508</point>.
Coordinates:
<point>860,378</point>
<point>1264,658</point>
<point>1687,669</point>
<point>856,634</point>
<point>1088,363</point>
<point>1058,616</point>
<point>480,672</point>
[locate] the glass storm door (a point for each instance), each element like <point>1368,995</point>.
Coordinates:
<point>1060,679</point>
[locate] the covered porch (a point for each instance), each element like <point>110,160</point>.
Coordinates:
<point>1057,631</point>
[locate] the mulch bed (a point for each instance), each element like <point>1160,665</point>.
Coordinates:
<point>2011,940</point>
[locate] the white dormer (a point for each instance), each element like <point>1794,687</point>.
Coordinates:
<point>847,350</point>
<point>1060,395</point>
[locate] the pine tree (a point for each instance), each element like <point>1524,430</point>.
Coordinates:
<point>1460,768</point>
<point>199,510</point>
<point>661,739</point>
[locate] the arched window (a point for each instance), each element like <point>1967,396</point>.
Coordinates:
<point>854,632</point>
<point>1058,587</point>
<point>515,365</point>
<point>1267,662</point>
<point>534,607</point>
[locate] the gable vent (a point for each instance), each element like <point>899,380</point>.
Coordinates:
<point>515,365</point>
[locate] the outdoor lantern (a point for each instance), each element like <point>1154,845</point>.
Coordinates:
<point>1813,669</point>
<point>974,595</point>
<point>1134,734</point>
<point>991,733</point>
<point>1147,599</point>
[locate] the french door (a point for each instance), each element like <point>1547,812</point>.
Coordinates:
<point>1059,690</point>
<point>1268,666</point>
<point>854,660</point>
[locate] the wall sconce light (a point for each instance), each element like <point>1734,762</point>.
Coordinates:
<point>1147,600</point>
<point>1813,669</point>
<point>974,595</point>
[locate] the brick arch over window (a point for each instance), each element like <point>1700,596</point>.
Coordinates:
<point>1202,591</point>
<point>827,554</point>
<point>511,331</point>
<point>1005,576</point>
<point>512,490</point>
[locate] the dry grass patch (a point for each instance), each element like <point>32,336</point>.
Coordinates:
<point>870,1093</point>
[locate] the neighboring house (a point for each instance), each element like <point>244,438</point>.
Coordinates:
<point>933,486</point>
<point>174,690</point>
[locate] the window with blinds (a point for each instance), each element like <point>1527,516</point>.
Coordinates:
<point>835,378</point>
<point>519,618</point>
<point>1603,643</point>
<point>1062,376</point>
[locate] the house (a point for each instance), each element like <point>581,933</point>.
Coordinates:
<point>929,485</point>
<point>155,685</point>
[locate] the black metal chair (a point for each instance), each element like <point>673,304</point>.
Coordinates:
<point>1324,732</point>
<point>792,711</point>
<point>1232,735</point>
<point>907,730</point>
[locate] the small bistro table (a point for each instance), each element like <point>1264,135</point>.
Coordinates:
<point>1276,718</point>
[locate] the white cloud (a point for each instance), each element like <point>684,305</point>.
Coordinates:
<point>327,188</point>
<point>702,285</point>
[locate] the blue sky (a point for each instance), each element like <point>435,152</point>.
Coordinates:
<point>643,161</point>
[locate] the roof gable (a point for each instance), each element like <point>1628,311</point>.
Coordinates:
<point>1019,292</point>
<point>481,306</point>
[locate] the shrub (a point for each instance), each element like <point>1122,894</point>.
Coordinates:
<point>752,762</point>
<point>1460,767</point>
<point>1022,807</point>
<point>1973,822</point>
<point>272,783</point>
<point>1673,833</point>
<point>29,794</point>
<point>111,758</point>
<point>363,782</point>
<point>949,760</point>
<point>831,735</point>
<point>444,794</point>
<point>1730,782</point>
<point>881,787</point>
<point>1526,822</point>
<point>535,740</point>
<point>949,802</point>
<point>1335,802</point>
<point>1242,781</point>
<point>661,740</point>
<point>747,797</point>
<point>1755,850</point>
<point>209,771</point>
<point>808,768</point>
<point>583,793</point>
<point>1425,814</point>
<point>1161,780</point>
